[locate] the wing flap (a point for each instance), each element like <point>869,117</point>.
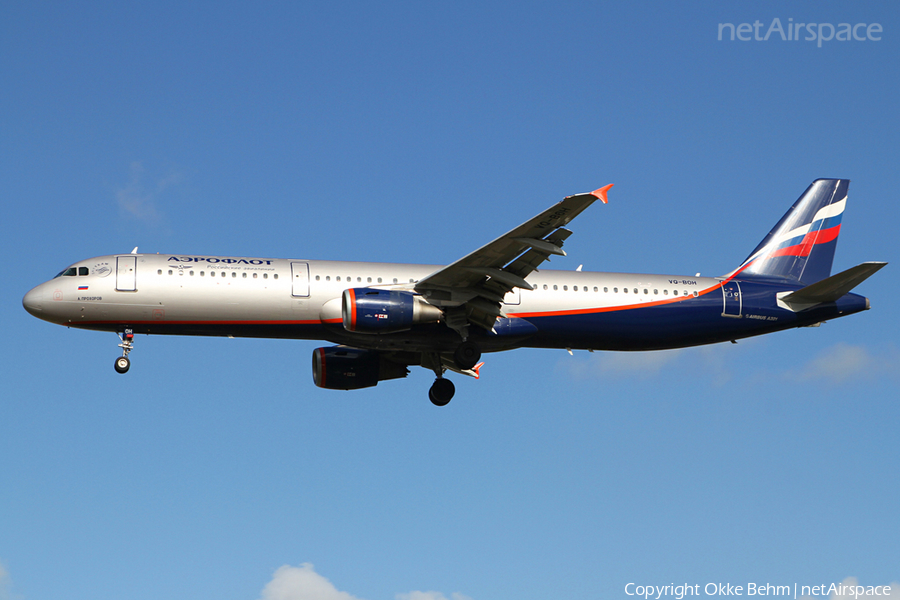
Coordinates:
<point>534,241</point>
<point>478,281</point>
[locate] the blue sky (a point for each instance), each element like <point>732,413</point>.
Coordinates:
<point>416,132</point>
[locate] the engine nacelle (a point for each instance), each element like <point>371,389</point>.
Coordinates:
<point>371,310</point>
<point>342,368</point>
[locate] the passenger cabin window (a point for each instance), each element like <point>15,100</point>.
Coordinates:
<point>275,276</point>
<point>159,272</point>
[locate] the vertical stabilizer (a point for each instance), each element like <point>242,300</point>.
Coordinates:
<point>800,248</point>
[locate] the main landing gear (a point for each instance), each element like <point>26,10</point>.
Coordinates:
<point>441,391</point>
<point>467,355</point>
<point>122,363</point>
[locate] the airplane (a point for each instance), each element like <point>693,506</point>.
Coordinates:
<point>385,318</point>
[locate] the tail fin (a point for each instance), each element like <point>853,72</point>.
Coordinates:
<point>800,248</point>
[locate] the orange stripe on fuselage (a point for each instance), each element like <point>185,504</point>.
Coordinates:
<point>603,309</point>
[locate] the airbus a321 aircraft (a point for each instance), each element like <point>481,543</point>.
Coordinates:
<point>386,317</point>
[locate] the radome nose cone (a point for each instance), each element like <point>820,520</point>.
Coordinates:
<point>34,301</point>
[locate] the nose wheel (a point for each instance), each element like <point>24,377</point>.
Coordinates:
<point>123,363</point>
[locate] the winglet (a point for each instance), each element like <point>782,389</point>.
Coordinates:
<point>477,369</point>
<point>601,193</point>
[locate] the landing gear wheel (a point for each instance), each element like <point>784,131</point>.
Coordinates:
<point>122,364</point>
<point>127,345</point>
<point>441,391</point>
<point>467,355</point>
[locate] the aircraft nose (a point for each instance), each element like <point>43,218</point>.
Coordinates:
<point>34,301</point>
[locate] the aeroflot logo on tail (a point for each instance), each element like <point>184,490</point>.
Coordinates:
<point>224,261</point>
<point>792,32</point>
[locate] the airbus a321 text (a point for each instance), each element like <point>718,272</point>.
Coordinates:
<point>384,317</point>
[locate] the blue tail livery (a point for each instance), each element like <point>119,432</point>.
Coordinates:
<point>384,318</point>
<point>800,248</point>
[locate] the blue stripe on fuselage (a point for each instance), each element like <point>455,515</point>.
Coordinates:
<point>691,322</point>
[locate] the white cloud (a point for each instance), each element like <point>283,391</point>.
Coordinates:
<point>301,583</point>
<point>709,363</point>
<point>137,200</point>
<point>605,364</point>
<point>430,596</point>
<point>4,583</point>
<point>852,582</point>
<point>844,362</point>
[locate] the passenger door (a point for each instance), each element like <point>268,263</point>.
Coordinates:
<point>126,273</point>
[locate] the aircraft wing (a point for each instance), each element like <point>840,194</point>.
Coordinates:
<point>478,281</point>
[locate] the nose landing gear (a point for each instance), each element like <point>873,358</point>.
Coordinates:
<point>123,363</point>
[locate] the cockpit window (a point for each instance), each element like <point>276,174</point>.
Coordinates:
<point>82,270</point>
<point>70,272</point>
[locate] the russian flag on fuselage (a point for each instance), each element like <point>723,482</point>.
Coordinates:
<point>800,248</point>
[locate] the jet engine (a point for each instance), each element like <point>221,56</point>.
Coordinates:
<point>343,368</point>
<point>371,310</point>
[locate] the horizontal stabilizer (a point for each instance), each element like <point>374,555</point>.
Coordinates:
<point>831,288</point>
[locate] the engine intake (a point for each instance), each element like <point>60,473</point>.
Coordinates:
<point>343,368</point>
<point>371,310</point>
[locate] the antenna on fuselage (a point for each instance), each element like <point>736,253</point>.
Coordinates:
<point>135,250</point>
